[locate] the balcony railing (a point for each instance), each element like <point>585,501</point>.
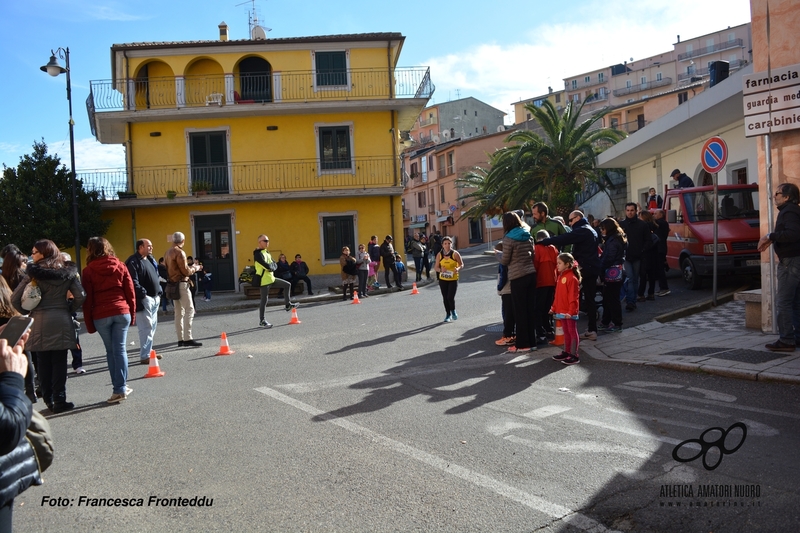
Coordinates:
<point>643,87</point>
<point>700,72</point>
<point>427,121</point>
<point>735,43</point>
<point>591,83</point>
<point>630,127</point>
<point>240,178</point>
<point>275,87</point>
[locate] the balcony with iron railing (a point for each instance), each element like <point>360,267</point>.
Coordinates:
<point>727,45</point>
<point>294,176</point>
<point>591,83</point>
<point>700,72</point>
<point>639,87</point>
<point>630,127</point>
<point>276,87</point>
<point>428,121</point>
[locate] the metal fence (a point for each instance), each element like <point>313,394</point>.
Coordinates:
<point>236,89</point>
<point>239,178</point>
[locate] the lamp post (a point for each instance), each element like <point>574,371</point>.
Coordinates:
<point>54,69</point>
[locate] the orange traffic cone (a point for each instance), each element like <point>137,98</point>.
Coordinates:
<point>154,371</point>
<point>355,298</point>
<point>224,349</point>
<point>294,319</point>
<point>414,289</point>
<point>559,340</point>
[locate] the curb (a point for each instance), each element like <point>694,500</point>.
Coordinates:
<point>697,308</point>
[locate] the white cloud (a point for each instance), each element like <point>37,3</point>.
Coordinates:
<point>90,154</point>
<point>597,37</point>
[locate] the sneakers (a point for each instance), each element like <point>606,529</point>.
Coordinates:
<point>206,299</point>
<point>128,390</point>
<point>455,315</point>
<point>665,292</point>
<point>61,407</point>
<point>561,356</point>
<point>116,398</point>
<point>589,335</point>
<point>603,327</point>
<point>265,324</point>
<point>514,349</point>
<point>614,329</point>
<point>571,360</point>
<point>80,370</point>
<point>447,318</point>
<point>291,305</point>
<point>780,346</point>
<point>505,341</point>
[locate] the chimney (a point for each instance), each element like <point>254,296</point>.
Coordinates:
<point>549,90</point>
<point>223,31</point>
<point>679,38</point>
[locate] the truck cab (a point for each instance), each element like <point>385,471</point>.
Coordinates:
<point>690,246</point>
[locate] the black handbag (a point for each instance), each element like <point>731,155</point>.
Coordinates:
<point>171,291</point>
<point>255,281</point>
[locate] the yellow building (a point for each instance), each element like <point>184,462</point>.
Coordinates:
<point>297,138</point>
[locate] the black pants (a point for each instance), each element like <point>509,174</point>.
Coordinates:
<point>448,289</point>
<point>661,274</point>
<point>523,294</point>
<point>612,305</point>
<point>391,268</point>
<point>544,320</point>
<point>589,292</point>
<point>648,274</point>
<point>509,324</point>
<point>53,375</point>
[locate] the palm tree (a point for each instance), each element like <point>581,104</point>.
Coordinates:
<point>545,165</point>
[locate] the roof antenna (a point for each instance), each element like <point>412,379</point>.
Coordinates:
<point>256,31</point>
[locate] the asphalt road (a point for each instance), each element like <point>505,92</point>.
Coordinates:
<point>379,417</point>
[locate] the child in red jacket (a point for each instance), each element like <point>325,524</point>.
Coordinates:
<point>544,260</point>
<point>565,307</point>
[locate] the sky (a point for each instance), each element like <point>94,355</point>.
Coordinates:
<point>496,51</point>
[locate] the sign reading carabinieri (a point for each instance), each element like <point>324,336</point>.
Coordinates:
<point>771,101</point>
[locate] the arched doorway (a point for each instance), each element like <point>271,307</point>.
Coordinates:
<point>255,80</point>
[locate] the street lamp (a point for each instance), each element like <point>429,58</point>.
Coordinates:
<point>54,69</point>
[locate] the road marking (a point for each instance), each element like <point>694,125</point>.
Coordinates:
<point>713,402</point>
<point>691,408</point>
<point>549,410</point>
<point>531,501</point>
<point>582,447</point>
<point>712,395</point>
<point>507,425</point>
<point>627,431</point>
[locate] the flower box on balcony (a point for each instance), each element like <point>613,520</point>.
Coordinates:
<point>200,188</point>
<point>125,195</point>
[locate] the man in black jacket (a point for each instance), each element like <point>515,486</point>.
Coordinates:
<point>144,272</point>
<point>583,239</point>
<point>786,238</point>
<point>387,254</point>
<point>638,235</point>
<point>684,181</point>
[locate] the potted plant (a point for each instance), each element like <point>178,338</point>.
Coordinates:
<point>171,195</point>
<point>201,187</point>
<point>124,195</point>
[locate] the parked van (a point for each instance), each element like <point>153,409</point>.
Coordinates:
<point>690,246</point>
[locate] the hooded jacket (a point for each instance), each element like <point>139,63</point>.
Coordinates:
<point>53,328</point>
<point>109,291</point>
<point>518,253</point>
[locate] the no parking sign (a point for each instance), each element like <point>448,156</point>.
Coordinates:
<point>714,155</point>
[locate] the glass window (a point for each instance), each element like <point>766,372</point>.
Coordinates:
<point>601,76</point>
<point>741,203</point>
<point>338,232</point>
<point>441,194</point>
<point>334,148</point>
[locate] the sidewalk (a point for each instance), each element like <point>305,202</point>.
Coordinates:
<point>713,341</point>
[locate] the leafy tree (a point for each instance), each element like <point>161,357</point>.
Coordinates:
<point>37,203</point>
<point>551,166</point>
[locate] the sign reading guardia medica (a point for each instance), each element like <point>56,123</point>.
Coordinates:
<point>771,101</point>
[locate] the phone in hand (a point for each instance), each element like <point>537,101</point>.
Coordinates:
<point>15,328</point>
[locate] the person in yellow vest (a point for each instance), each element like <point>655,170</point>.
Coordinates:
<point>448,263</point>
<point>265,268</point>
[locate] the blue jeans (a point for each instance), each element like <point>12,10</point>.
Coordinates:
<point>788,294</point>
<point>632,271</point>
<point>114,332</point>
<point>146,322</point>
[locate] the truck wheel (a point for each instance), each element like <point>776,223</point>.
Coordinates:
<point>690,277</point>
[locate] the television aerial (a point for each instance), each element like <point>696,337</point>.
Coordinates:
<point>257,32</point>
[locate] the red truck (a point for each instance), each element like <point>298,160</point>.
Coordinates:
<point>690,213</point>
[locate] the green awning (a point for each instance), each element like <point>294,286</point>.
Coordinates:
<point>418,225</point>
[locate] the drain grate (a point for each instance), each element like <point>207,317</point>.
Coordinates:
<point>699,350</point>
<point>729,354</point>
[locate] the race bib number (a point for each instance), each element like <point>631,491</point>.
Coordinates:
<point>446,274</point>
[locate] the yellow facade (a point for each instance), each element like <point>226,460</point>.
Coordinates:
<point>304,161</point>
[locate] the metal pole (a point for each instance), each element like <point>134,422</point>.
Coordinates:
<point>72,162</point>
<point>770,226</point>
<point>716,238</point>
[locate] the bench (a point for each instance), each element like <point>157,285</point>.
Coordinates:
<point>752,307</point>
<point>254,293</point>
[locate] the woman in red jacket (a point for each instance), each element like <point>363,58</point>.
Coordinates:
<point>109,309</point>
<point>566,307</point>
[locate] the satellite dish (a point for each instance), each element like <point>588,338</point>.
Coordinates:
<point>446,134</point>
<point>259,33</point>
<point>501,128</point>
<point>436,139</point>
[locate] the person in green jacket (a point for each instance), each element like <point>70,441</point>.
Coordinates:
<point>543,222</point>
